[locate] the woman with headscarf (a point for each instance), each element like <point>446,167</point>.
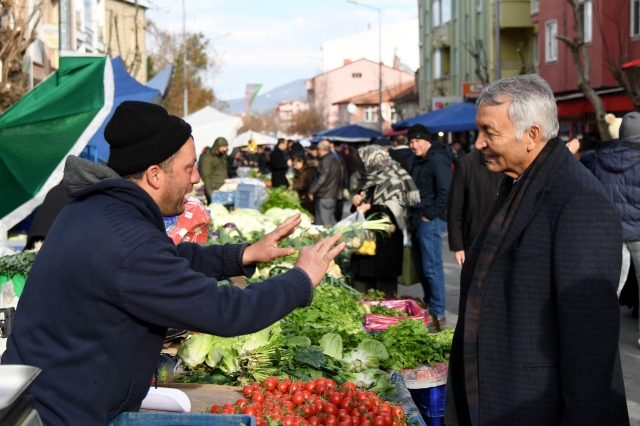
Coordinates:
<point>387,189</point>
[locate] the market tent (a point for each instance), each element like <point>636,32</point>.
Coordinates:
<point>349,133</point>
<point>126,89</point>
<point>260,139</point>
<point>162,81</point>
<point>456,118</point>
<point>54,120</point>
<point>209,124</point>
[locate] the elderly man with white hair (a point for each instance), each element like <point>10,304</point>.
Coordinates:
<point>537,336</point>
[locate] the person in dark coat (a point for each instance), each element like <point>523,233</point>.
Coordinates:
<point>403,150</point>
<point>304,172</point>
<point>109,282</point>
<point>53,203</point>
<point>473,189</point>
<point>326,188</point>
<point>279,165</point>
<point>388,190</point>
<point>386,144</point>
<point>431,172</point>
<point>545,263</point>
<point>617,167</point>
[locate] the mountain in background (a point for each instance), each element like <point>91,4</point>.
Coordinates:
<point>296,90</point>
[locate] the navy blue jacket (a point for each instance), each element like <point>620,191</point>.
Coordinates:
<point>432,175</point>
<point>105,287</point>
<point>618,168</point>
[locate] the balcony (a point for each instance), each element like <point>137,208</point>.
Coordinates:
<point>441,36</point>
<point>515,14</point>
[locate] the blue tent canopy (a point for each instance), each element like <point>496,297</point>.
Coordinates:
<point>349,133</point>
<point>162,81</point>
<point>456,118</point>
<point>126,89</point>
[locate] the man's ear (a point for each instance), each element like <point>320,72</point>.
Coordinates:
<point>533,137</point>
<point>154,177</point>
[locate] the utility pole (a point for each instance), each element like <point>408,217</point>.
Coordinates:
<point>379,59</point>
<point>64,19</point>
<point>184,62</point>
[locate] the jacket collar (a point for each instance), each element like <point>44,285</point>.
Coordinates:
<point>537,188</point>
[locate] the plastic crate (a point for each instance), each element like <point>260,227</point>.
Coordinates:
<point>248,196</point>
<point>430,401</point>
<point>223,197</point>
<point>182,419</point>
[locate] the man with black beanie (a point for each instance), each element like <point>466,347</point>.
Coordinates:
<point>108,282</point>
<point>432,173</point>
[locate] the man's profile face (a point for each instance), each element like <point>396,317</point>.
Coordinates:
<point>313,152</point>
<point>179,180</point>
<point>496,139</point>
<point>223,149</point>
<point>420,147</point>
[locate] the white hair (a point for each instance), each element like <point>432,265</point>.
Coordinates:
<point>532,102</point>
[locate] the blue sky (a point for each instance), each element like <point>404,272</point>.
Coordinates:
<point>272,42</point>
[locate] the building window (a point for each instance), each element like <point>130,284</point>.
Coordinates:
<point>437,64</point>
<point>370,114</point>
<point>356,75</point>
<point>551,42</point>
<point>535,6</point>
<point>394,115</point>
<point>78,20</point>
<point>635,18</point>
<point>587,20</point>
<point>87,15</point>
<point>435,11</point>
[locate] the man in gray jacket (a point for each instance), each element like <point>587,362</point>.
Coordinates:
<point>326,188</point>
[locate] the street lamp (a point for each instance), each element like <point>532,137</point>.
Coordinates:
<point>379,58</point>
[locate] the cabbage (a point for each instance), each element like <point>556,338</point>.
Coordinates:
<point>373,379</point>
<point>331,344</point>
<point>251,342</point>
<point>368,355</point>
<point>195,348</point>
<point>223,355</point>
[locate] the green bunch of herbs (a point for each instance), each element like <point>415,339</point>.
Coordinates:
<point>17,264</point>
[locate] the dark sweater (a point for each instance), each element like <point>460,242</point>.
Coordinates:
<point>105,287</point>
<point>432,175</point>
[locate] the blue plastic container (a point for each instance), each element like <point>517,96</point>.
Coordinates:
<point>182,419</point>
<point>223,197</point>
<point>430,401</point>
<point>248,196</point>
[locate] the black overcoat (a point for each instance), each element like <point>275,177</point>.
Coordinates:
<point>549,326</point>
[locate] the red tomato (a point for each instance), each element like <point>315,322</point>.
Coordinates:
<point>250,411</point>
<point>269,405</point>
<point>336,398</point>
<point>310,386</point>
<point>398,424</point>
<point>346,423</point>
<point>227,406</point>
<point>306,394</point>
<point>321,380</point>
<point>386,407</point>
<point>397,412</point>
<point>379,421</point>
<point>388,419</point>
<point>330,382</point>
<point>356,420</point>
<point>293,388</point>
<point>228,411</point>
<point>308,411</point>
<point>259,420</point>
<point>319,404</point>
<point>257,397</point>
<point>288,420</point>
<point>361,396</point>
<point>312,397</point>
<point>329,390</point>
<point>315,421</point>
<point>276,410</point>
<point>241,402</point>
<point>215,409</point>
<point>270,383</point>
<point>283,387</point>
<point>347,404</point>
<point>331,409</point>
<point>247,390</point>
<point>344,418</point>
<point>366,423</point>
<point>288,405</point>
<point>349,386</point>
<point>343,412</point>
<point>298,398</point>
<point>263,423</point>
<point>276,416</point>
<point>319,390</point>
<point>355,412</point>
<point>331,420</point>
<point>368,417</point>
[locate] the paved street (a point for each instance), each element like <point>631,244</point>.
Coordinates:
<point>629,349</point>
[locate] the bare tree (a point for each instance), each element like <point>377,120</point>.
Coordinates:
<point>476,50</point>
<point>582,65</point>
<point>17,32</point>
<point>619,20</point>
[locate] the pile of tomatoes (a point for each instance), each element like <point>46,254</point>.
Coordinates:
<point>318,402</point>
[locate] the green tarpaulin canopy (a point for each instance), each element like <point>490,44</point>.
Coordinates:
<point>54,120</point>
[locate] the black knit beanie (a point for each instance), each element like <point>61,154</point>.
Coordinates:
<point>142,134</point>
<point>418,131</point>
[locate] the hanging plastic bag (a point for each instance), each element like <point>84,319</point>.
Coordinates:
<point>192,225</point>
<point>352,228</point>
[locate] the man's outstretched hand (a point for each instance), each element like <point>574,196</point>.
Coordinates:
<point>267,248</point>
<point>315,260</point>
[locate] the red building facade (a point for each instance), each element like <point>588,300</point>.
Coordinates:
<point>611,26</point>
